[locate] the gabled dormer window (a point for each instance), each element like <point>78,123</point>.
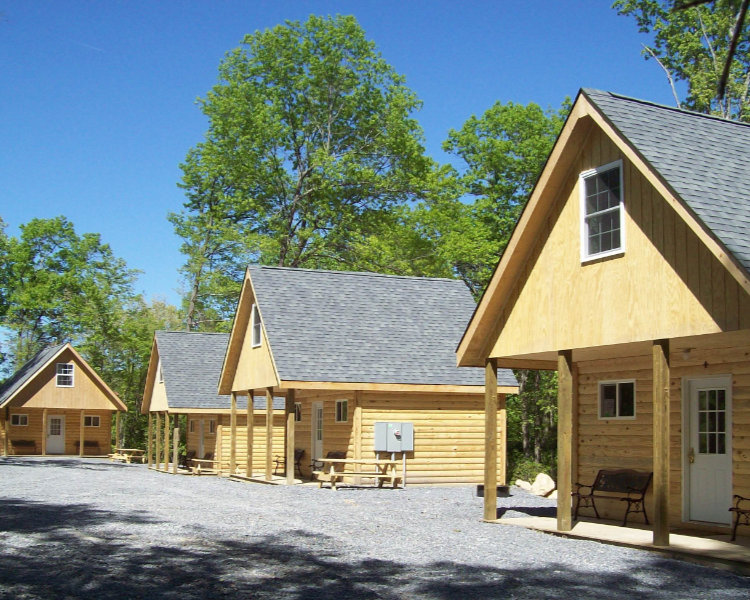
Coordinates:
<point>256,327</point>
<point>602,212</point>
<point>64,374</point>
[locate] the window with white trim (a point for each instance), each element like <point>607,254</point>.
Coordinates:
<point>298,411</point>
<point>161,374</point>
<point>602,212</point>
<point>617,399</point>
<point>91,421</point>
<point>64,374</point>
<point>19,420</point>
<point>212,426</point>
<point>192,425</point>
<point>257,325</point>
<point>342,411</point>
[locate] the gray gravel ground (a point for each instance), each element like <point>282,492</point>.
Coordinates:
<point>90,529</point>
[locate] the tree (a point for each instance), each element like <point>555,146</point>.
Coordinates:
<point>692,45</point>
<point>310,144</point>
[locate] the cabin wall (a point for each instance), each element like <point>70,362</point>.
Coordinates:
<point>665,285</point>
<point>158,401</point>
<point>255,368</point>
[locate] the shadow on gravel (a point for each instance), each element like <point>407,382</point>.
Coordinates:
<point>527,511</point>
<point>299,566</point>
<point>87,464</point>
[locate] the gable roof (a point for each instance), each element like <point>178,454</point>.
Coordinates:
<point>699,163</point>
<point>38,362</point>
<point>191,363</point>
<point>354,327</point>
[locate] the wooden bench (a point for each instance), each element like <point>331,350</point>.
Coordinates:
<point>204,466</point>
<point>24,446</point>
<point>612,484</point>
<point>87,445</point>
<point>280,461</point>
<point>382,471</point>
<point>127,455</point>
<point>741,513</point>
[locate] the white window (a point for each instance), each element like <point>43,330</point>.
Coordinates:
<point>617,399</point>
<point>256,327</point>
<point>342,411</point>
<point>22,420</point>
<point>91,421</point>
<point>602,212</point>
<point>297,411</point>
<point>211,426</point>
<point>161,375</point>
<point>64,374</point>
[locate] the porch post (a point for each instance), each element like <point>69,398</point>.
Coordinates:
<point>289,427</point>
<point>44,433</point>
<point>175,445</point>
<point>565,441</point>
<point>150,441</point>
<point>157,433</point>
<point>250,431</point>
<point>80,449</point>
<point>219,457</point>
<point>269,434</point>
<point>502,441</point>
<point>233,435</point>
<point>117,429</point>
<point>660,351</point>
<point>490,439</point>
<point>166,442</point>
<point>6,429</point>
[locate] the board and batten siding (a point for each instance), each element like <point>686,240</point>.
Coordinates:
<point>665,285</point>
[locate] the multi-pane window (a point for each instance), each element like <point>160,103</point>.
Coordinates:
<point>602,209</point>
<point>256,327</point>
<point>297,411</point>
<point>211,426</point>
<point>617,400</point>
<point>22,420</point>
<point>712,433</point>
<point>64,374</point>
<point>342,411</point>
<point>91,421</point>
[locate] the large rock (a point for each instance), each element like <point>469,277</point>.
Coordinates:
<point>553,495</point>
<point>543,485</point>
<point>524,485</point>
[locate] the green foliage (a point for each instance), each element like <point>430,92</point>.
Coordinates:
<point>310,145</point>
<point>525,468</point>
<point>692,45</point>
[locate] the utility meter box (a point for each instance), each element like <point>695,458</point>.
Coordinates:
<point>394,437</point>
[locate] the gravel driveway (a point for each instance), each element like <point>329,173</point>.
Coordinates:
<point>75,528</point>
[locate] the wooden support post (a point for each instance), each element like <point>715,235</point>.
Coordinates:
<point>82,436</point>
<point>157,432</point>
<point>250,431</point>
<point>289,426</point>
<point>490,439</point>
<point>166,442</point>
<point>150,441</point>
<point>269,434</point>
<point>6,430</point>
<point>117,429</point>
<point>502,440</point>
<point>233,435</point>
<point>219,445</point>
<point>175,445</point>
<point>660,353</point>
<point>44,432</point>
<point>565,403</point>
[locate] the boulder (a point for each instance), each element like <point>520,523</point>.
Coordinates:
<point>543,485</point>
<point>524,485</point>
<point>553,495</point>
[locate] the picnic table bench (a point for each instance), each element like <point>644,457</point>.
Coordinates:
<point>24,446</point>
<point>204,466</point>
<point>333,471</point>
<point>127,455</point>
<point>612,484</point>
<point>88,444</point>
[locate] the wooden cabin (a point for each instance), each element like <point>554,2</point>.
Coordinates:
<point>628,273</point>
<point>57,404</point>
<point>182,379</point>
<point>347,350</point>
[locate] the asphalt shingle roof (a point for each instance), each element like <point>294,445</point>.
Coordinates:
<point>27,371</point>
<point>704,159</point>
<point>191,364</point>
<point>365,328</point>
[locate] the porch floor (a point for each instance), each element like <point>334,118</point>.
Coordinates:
<point>712,549</point>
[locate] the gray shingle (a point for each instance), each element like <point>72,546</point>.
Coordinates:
<point>704,159</point>
<point>27,371</point>
<point>365,328</point>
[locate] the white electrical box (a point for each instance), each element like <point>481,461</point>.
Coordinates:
<point>394,437</point>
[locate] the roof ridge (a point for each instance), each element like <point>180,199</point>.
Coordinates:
<point>685,111</point>
<point>192,332</point>
<point>357,273</point>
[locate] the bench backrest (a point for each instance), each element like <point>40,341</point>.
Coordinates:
<point>620,481</point>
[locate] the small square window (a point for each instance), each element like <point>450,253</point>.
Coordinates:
<point>342,411</point>
<point>602,212</point>
<point>617,400</point>
<point>64,374</point>
<point>91,421</point>
<point>297,411</point>
<point>257,327</point>
<point>20,420</point>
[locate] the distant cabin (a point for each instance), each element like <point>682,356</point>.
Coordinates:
<point>629,273</point>
<point>347,350</point>
<point>57,404</point>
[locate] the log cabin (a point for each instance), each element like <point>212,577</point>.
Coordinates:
<point>57,404</point>
<point>347,350</point>
<point>628,273</point>
<point>182,379</point>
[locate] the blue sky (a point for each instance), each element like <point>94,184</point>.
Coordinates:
<point>98,97</point>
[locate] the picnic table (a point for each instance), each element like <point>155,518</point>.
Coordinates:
<point>127,454</point>
<point>381,471</point>
<point>203,466</point>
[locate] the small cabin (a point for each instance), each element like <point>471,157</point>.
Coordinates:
<point>629,273</point>
<point>57,404</point>
<point>347,350</point>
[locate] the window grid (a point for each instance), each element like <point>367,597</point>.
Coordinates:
<point>257,327</point>
<point>64,374</point>
<point>19,420</point>
<point>342,411</point>
<point>91,421</point>
<point>602,212</point>
<point>617,400</point>
<point>712,437</point>
<point>297,411</point>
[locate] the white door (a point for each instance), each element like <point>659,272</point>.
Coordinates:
<point>709,450</point>
<point>56,434</point>
<point>201,446</point>
<point>317,430</point>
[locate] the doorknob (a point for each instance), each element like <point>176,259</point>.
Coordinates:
<point>691,456</point>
